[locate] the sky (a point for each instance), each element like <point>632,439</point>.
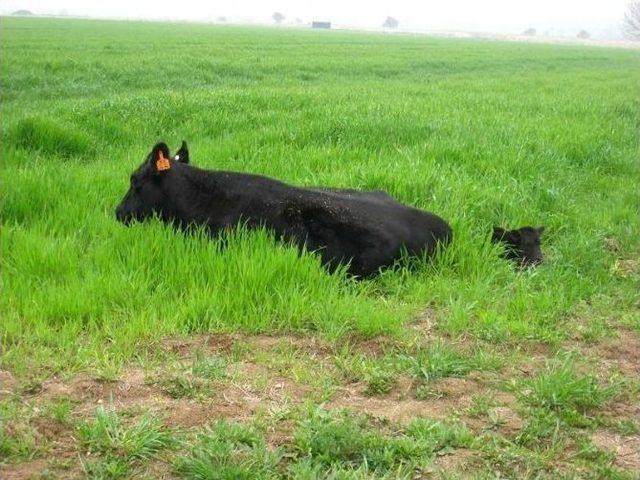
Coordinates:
<point>602,18</point>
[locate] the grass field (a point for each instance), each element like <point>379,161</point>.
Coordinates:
<point>143,353</point>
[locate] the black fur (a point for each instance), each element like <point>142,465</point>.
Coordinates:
<point>522,245</point>
<point>369,230</point>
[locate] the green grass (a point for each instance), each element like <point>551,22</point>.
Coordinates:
<point>483,133</point>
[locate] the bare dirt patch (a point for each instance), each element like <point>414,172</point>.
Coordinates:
<point>398,406</point>
<point>623,410</point>
<point>185,347</point>
<point>448,398</point>
<point>375,347</point>
<point>310,344</point>
<point>7,383</point>
<point>191,414</point>
<point>255,387</point>
<point>225,343</point>
<point>397,411</point>
<point>25,470</point>
<point>455,387</point>
<point>222,343</point>
<point>84,390</point>
<point>507,421</point>
<point>621,353</point>
<point>49,428</point>
<point>455,461</point>
<point>280,434</point>
<point>625,448</point>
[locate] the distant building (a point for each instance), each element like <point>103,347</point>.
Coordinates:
<point>321,25</point>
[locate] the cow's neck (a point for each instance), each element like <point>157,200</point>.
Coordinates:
<point>198,195</point>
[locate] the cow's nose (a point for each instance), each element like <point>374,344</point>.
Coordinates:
<point>122,216</point>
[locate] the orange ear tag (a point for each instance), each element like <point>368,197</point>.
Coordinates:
<point>162,163</point>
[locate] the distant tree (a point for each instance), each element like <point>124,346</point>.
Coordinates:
<point>631,24</point>
<point>221,19</point>
<point>583,34</point>
<point>529,32</point>
<point>23,12</point>
<point>278,17</point>
<point>390,22</point>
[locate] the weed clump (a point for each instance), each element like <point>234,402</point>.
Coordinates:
<point>346,440</point>
<point>561,388</point>
<point>229,450</point>
<point>121,446</point>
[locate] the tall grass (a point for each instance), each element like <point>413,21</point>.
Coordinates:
<point>483,133</point>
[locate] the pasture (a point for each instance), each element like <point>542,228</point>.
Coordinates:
<point>141,352</point>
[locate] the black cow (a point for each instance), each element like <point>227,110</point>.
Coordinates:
<point>367,230</point>
<point>522,245</point>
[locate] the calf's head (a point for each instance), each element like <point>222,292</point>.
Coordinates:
<point>522,244</point>
<point>147,192</point>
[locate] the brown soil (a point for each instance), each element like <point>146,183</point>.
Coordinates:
<point>376,346</point>
<point>191,414</point>
<point>7,383</point>
<point>625,448</point>
<point>21,471</point>
<point>450,398</point>
<point>224,343</point>
<point>455,461</point>
<point>50,429</point>
<point>134,390</point>
<point>620,353</point>
<point>281,434</point>
<point>220,343</point>
<point>129,390</point>
<point>623,410</point>
<point>311,344</point>
<point>255,388</point>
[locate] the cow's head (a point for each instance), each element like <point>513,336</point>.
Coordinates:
<point>522,244</point>
<point>147,192</point>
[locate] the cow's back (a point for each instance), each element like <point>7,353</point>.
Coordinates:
<point>371,229</point>
<point>368,229</point>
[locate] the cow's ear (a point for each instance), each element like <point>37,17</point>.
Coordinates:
<point>159,158</point>
<point>498,233</point>
<point>182,155</point>
<point>540,230</point>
